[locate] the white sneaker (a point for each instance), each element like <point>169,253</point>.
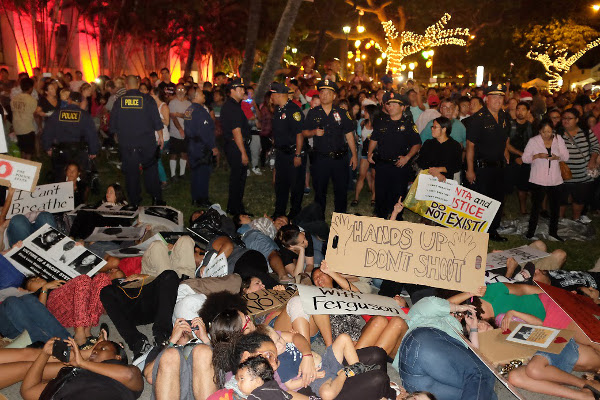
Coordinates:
<point>584,219</point>
<point>256,171</point>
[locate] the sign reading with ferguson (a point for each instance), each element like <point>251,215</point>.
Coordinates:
<point>406,252</point>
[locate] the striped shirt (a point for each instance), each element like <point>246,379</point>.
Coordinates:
<point>579,154</point>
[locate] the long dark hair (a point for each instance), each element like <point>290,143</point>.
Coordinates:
<point>119,193</point>
<point>374,112</point>
<point>287,236</point>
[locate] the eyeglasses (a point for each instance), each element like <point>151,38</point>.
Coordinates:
<point>248,319</point>
<point>567,119</point>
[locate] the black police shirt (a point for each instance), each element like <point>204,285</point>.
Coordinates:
<point>394,138</point>
<point>233,117</point>
<point>135,119</point>
<point>488,135</point>
<point>336,125</point>
<point>287,123</point>
<point>71,124</point>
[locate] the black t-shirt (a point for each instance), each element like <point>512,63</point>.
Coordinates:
<point>395,138</point>
<point>571,280</point>
<point>336,125</point>
<point>488,135</point>
<point>232,117</point>
<point>287,123</point>
<point>289,257</point>
<point>436,154</point>
<point>83,384</point>
<point>520,135</point>
<point>46,106</point>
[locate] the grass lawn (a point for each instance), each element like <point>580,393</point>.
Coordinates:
<point>260,199</point>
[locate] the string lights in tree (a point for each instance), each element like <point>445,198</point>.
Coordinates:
<point>401,45</point>
<point>556,68</point>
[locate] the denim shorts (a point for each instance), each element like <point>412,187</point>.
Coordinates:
<point>256,240</point>
<point>566,359</point>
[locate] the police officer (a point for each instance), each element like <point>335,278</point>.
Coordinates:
<point>487,151</point>
<point>397,140</point>
<point>330,125</point>
<point>236,132</point>
<point>70,135</point>
<point>290,158</point>
<point>135,119</point>
<point>199,130</point>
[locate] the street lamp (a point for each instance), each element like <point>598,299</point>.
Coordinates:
<point>360,29</point>
<point>596,7</point>
<point>346,30</point>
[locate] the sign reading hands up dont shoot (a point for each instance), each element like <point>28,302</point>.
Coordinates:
<point>406,252</point>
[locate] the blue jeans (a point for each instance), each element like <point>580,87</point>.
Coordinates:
<point>433,361</point>
<point>18,314</point>
<point>19,226</point>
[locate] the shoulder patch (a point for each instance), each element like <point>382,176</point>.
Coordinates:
<point>297,116</point>
<point>415,128</point>
<point>348,115</point>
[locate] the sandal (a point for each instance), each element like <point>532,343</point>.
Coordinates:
<point>90,342</point>
<point>595,392</point>
<point>359,368</point>
<point>354,203</point>
<point>104,327</point>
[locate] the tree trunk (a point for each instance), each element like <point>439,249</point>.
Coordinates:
<point>192,51</point>
<point>251,37</point>
<point>286,22</point>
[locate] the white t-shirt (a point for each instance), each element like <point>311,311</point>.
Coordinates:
<point>162,110</point>
<point>177,106</point>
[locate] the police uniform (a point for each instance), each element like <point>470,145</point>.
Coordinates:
<point>394,139</point>
<point>199,130</point>
<point>330,151</point>
<point>72,136</point>
<point>233,117</point>
<point>135,119</point>
<point>287,125</point>
<point>489,138</point>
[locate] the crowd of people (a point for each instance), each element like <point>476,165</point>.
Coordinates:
<point>205,344</point>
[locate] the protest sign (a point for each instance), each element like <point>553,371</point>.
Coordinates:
<point>53,198</point>
<point>116,234</point>
<point>522,255</point>
<point>51,255</point>
<point>406,252</point>
<point>107,210</point>
<point>430,189</point>
<point>168,217</point>
<point>496,347</point>
<point>265,300</point>
<point>134,251</point>
<point>318,300</point>
<point>19,173</point>
<point>467,210</point>
<point>216,267</point>
<point>584,312</point>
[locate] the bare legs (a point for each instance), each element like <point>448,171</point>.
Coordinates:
<point>363,174</point>
<point>383,333</point>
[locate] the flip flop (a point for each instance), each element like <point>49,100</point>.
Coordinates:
<point>104,326</point>
<point>595,392</point>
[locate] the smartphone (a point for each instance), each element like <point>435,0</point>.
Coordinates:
<point>47,75</point>
<point>189,321</point>
<point>61,351</point>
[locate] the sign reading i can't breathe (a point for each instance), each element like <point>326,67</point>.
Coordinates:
<point>406,252</point>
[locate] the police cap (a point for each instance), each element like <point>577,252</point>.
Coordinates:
<point>391,97</point>
<point>236,83</point>
<point>498,89</point>
<point>327,84</point>
<point>277,87</point>
<point>76,97</point>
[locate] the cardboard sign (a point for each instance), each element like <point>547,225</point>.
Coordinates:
<point>522,255</point>
<point>168,217</point>
<point>53,256</point>
<point>266,300</point>
<point>584,312</point>
<point>53,198</point>
<point>499,351</point>
<point>467,210</point>
<point>116,234</point>
<point>430,189</point>
<point>19,173</point>
<point>406,252</point>
<point>216,267</point>
<point>318,300</point>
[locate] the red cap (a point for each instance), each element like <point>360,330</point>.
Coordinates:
<point>433,100</point>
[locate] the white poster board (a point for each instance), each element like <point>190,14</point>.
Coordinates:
<point>522,255</point>
<point>19,173</point>
<point>168,217</point>
<point>216,267</point>
<point>116,234</point>
<point>135,251</point>
<point>107,210</point>
<point>3,146</point>
<point>53,198</point>
<point>52,255</point>
<point>318,300</point>
<point>430,189</point>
